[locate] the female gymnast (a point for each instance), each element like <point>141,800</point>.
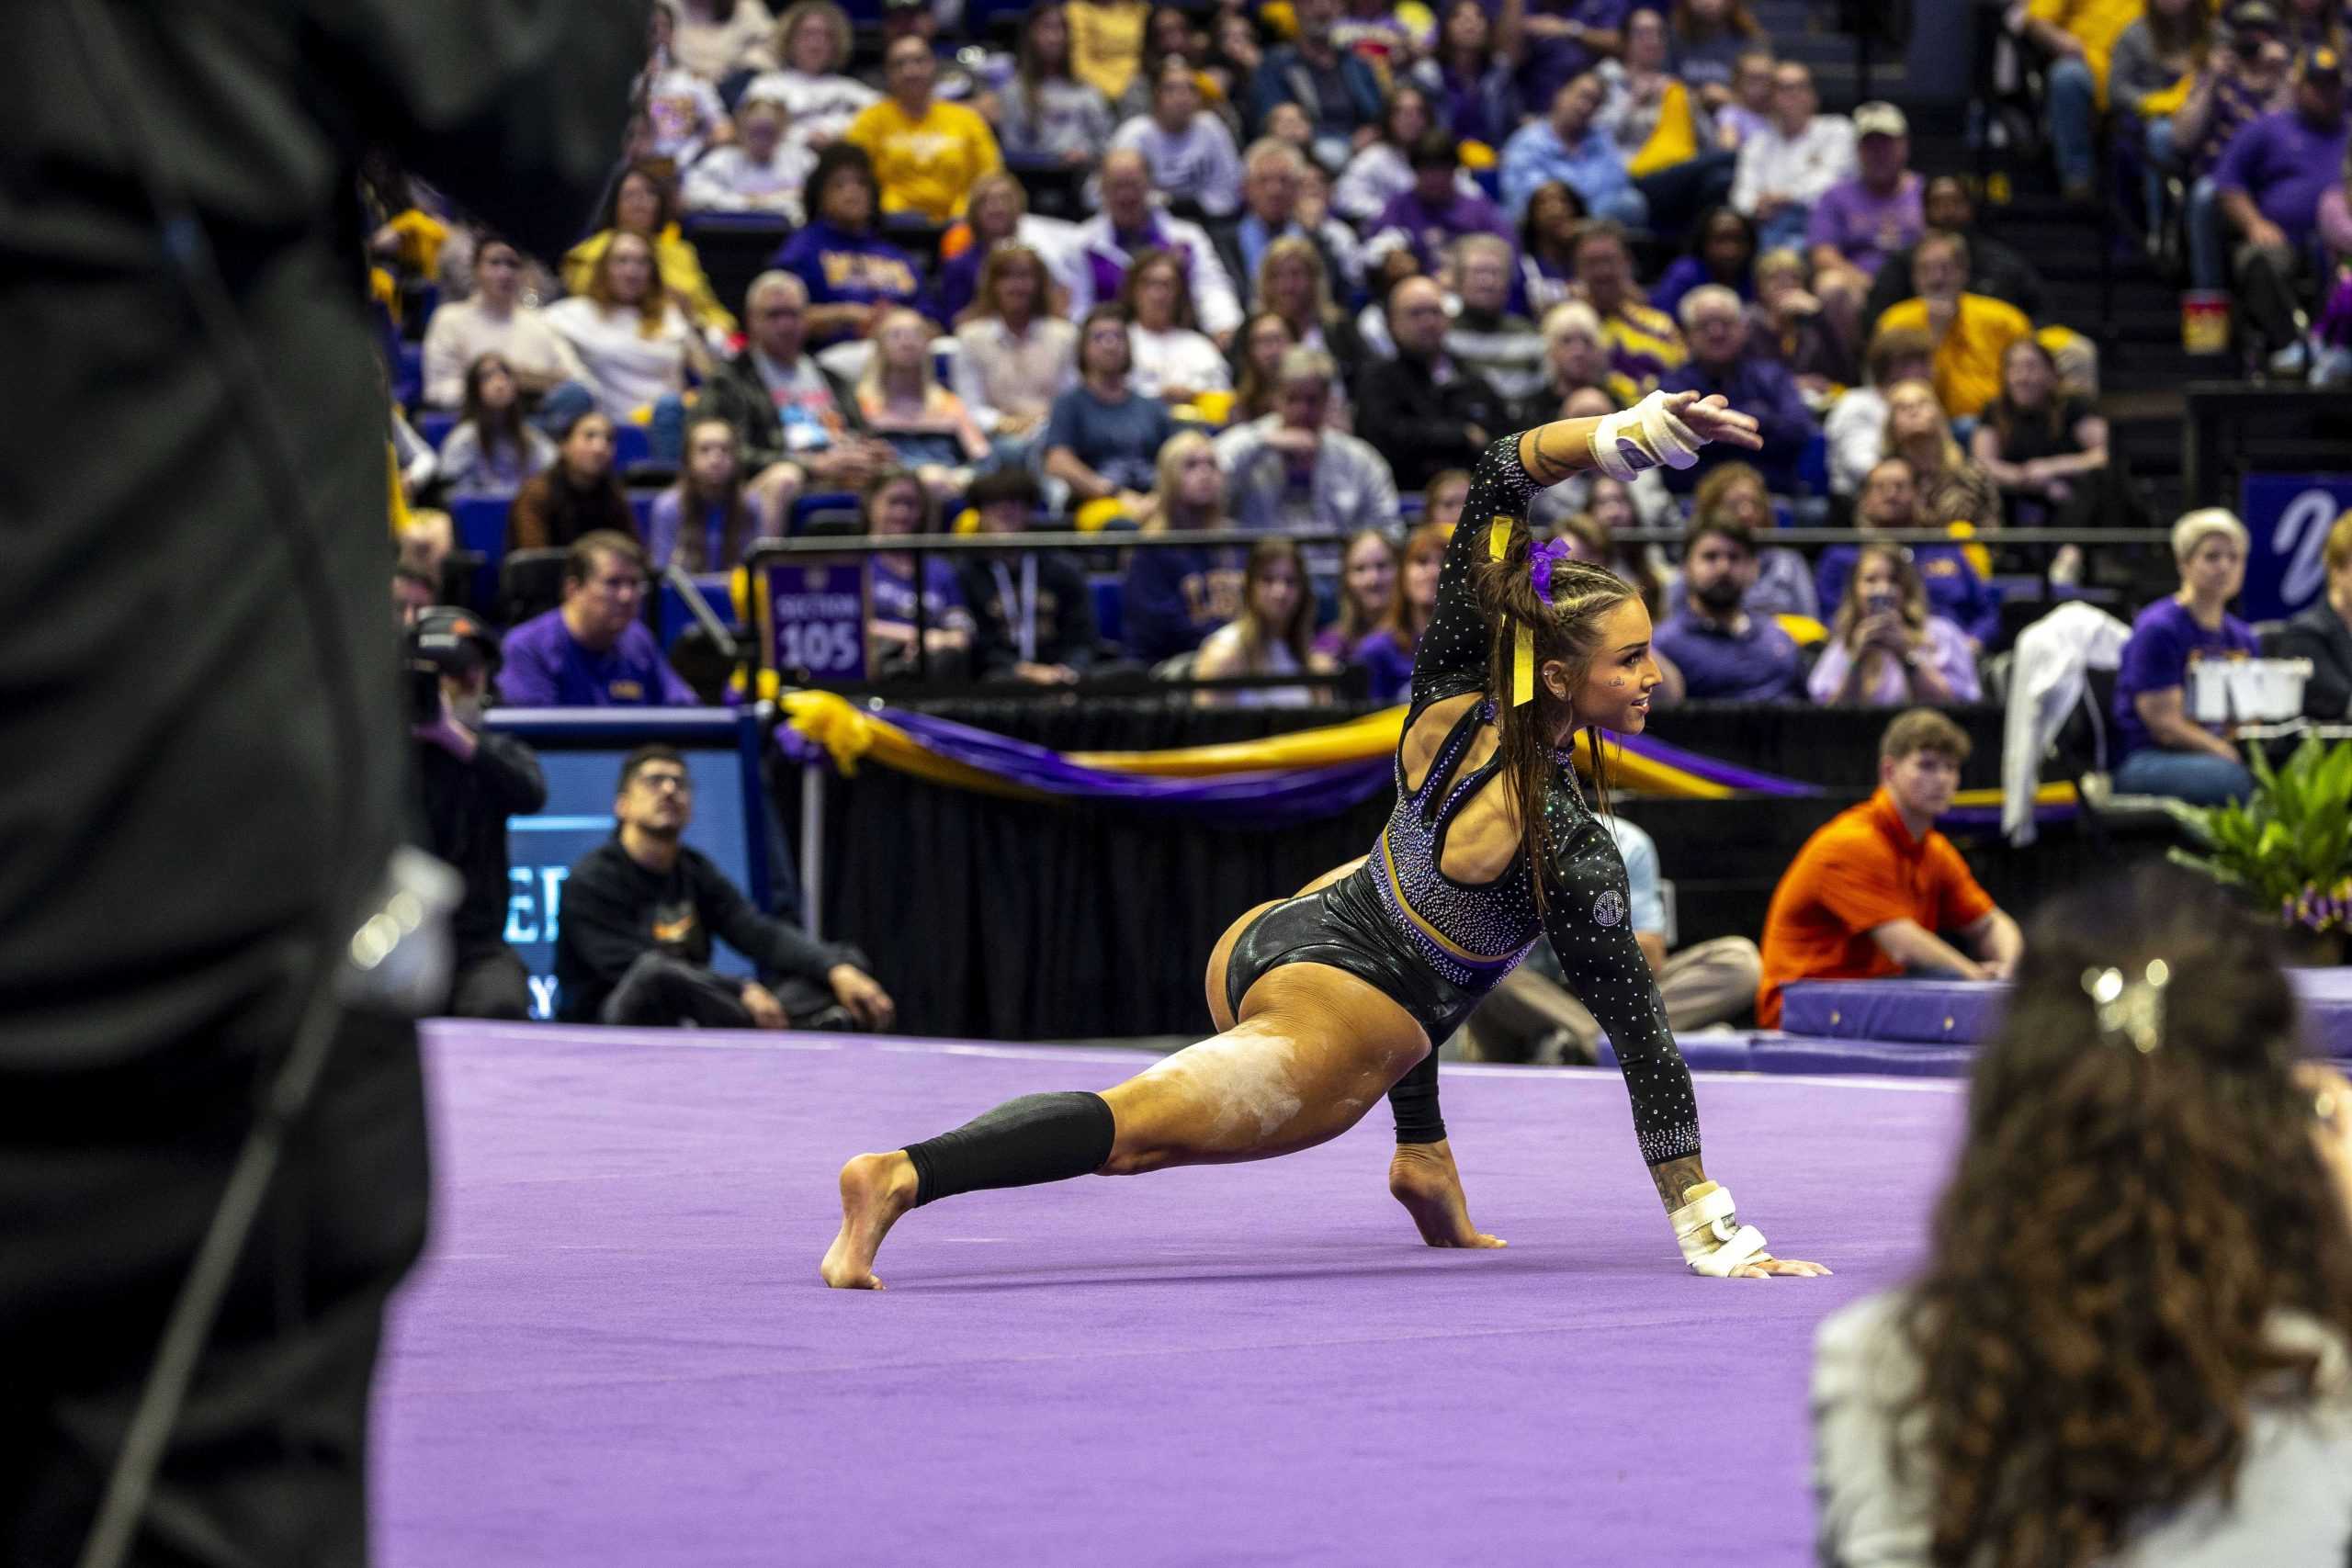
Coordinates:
<point>1326,1000</point>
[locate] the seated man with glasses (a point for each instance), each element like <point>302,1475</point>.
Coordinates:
<point>639,915</point>
<point>594,649</point>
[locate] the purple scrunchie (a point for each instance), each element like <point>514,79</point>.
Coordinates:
<point>1541,561</point>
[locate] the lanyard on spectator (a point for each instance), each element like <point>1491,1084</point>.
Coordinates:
<point>1024,634</point>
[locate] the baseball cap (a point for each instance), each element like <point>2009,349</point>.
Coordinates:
<point>453,640</point>
<point>1880,118</point>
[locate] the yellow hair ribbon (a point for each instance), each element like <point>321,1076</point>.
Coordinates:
<point>1498,539</point>
<point>1522,653</point>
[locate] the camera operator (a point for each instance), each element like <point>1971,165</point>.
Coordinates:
<point>472,780</point>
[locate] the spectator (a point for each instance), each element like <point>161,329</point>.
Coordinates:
<point>1128,225</point>
<point>1951,489</point>
<point>1045,115</point>
<point>414,587</point>
<point>1013,358</point>
<point>639,912</point>
<point>1885,647</point>
<point>1856,426</point>
<point>719,39</point>
<point>1101,436</point>
<point>1486,338</point>
<point>764,171</point>
<point>1337,90</point>
<point>2237,87</point>
<point>1868,895</point>
<point>1722,250</point>
<point>1169,359</point>
<point>1534,1017</point>
<point>1735,493</point>
<point>576,496</point>
<point>1106,43</point>
<point>797,424</point>
<point>1447,494</point>
<point>820,97</point>
<point>1171,35</point>
<point>1970,332</point>
<point>1233,56</point>
<point>1383,170</point>
<point>2027,1397</point>
<point>1995,270</point>
<point>1726,652</point>
<point>1368,589</point>
<point>1421,410</point>
<point>927,427</point>
<point>594,649</point>
<point>1547,239</point>
<point>494,319</point>
<point>2043,446</point>
<point>1289,470</point>
<point>1860,220</point>
<point>1643,343</point>
<point>1174,597</point>
<point>1436,211</point>
<point>896,501</point>
<point>1263,340</point>
<point>1270,636</point>
<point>1790,163</point>
<point>926,153</point>
<point>1033,615</point>
<point>998,214</point>
<point>1187,150</point>
<point>633,343</point>
<point>919,20</point>
<point>1293,286</point>
<point>1788,326</point>
<point>1721,361</point>
<point>2268,185</point>
<point>850,273</point>
<point>1573,147</point>
<point>1613,506</point>
<point>1748,109</point>
<point>1271,175</point>
<point>2165,749</point>
<point>492,450</point>
<point>645,203</point>
<point>705,521</point>
<point>2322,633</point>
<point>472,780</point>
<point>683,113</point>
<point>1574,357</point>
<point>1386,653</point>
<point>1711,39</point>
<point>1477,67</point>
<point>2154,57</point>
<point>2080,36</point>
<point>1566,38</point>
<point>1660,126</point>
<point>1890,499</point>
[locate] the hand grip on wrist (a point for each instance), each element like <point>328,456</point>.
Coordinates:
<point>1646,436</point>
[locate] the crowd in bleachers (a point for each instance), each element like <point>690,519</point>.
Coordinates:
<point>1289,269</point>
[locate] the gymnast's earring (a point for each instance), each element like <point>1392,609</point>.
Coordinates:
<point>2129,1012</point>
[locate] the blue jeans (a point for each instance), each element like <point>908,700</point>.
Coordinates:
<point>2074,100</point>
<point>2209,253</point>
<point>2161,167</point>
<point>2198,777</point>
<point>1785,230</point>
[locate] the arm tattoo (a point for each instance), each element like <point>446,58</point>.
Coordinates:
<point>1675,1178</point>
<point>1552,452</point>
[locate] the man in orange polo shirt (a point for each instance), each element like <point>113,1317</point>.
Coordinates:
<point>1866,896</point>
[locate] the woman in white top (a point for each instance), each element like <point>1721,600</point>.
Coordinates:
<point>492,450</point>
<point>764,170</point>
<point>493,320</point>
<point>2128,1345</point>
<point>634,345</point>
<point>1013,359</point>
<point>1272,636</point>
<point>1383,169</point>
<point>814,41</point>
<point>1173,362</point>
<point>1045,115</point>
<point>902,403</point>
<point>1188,149</point>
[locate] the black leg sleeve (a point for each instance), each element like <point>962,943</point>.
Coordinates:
<point>1036,1138</point>
<point>1414,1099</point>
<point>662,992</point>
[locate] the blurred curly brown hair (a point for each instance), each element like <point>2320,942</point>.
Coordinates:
<point>2091,1323</point>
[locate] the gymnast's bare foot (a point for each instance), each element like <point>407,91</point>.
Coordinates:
<point>1422,1178</point>
<point>875,1190</point>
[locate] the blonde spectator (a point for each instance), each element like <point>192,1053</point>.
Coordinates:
<point>1172,360</point>
<point>903,405</point>
<point>1950,488</point>
<point>1386,654</point>
<point>645,203</point>
<point>633,343</point>
<point>1367,587</point>
<point>1014,359</point>
<point>820,98</point>
<point>763,171</point>
<point>1272,635</point>
<point>1176,596</point>
<point>1263,340</point>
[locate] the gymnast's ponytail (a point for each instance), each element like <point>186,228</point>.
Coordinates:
<point>1566,629</point>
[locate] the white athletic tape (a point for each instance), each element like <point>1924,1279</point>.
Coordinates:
<point>1713,1240</point>
<point>1642,437</point>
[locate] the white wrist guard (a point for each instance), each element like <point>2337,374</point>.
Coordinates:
<point>1641,437</point>
<point>1714,1241</point>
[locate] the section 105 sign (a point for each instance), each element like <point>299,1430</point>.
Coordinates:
<point>817,610</point>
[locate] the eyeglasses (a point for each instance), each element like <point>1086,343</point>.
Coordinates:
<point>654,783</point>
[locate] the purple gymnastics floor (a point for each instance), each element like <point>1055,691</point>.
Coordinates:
<point>617,1351</point>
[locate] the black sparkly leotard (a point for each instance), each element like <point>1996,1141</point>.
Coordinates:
<point>1435,945</point>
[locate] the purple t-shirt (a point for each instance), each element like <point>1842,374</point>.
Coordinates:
<point>2286,164</point>
<point>2166,640</point>
<point>1391,667</point>
<point>1867,229</point>
<point>545,667</point>
<point>1431,229</point>
<point>1756,665</point>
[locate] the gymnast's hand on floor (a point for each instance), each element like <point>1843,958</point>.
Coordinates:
<point>1423,1178</point>
<point>1768,1265</point>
